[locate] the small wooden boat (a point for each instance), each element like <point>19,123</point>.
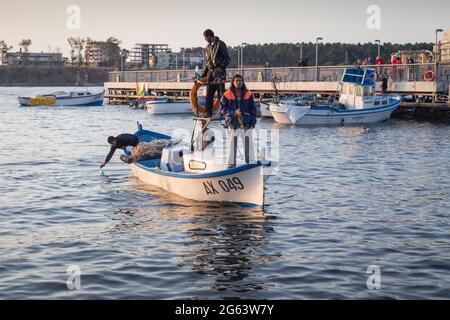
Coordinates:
<point>183,172</point>
<point>62,98</point>
<point>357,104</point>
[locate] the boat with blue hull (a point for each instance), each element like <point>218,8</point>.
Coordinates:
<point>357,104</point>
<point>195,175</point>
<point>63,98</point>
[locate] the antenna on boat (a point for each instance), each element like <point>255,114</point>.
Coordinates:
<point>195,123</point>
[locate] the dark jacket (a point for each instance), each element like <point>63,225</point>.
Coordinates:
<point>216,55</point>
<point>123,140</point>
<point>229,105</point>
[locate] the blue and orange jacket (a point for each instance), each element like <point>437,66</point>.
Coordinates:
<point>229,105</point>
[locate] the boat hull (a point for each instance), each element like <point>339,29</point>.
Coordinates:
<point>329,115</point>
<point>243,184</point>
<point>169,107</point>
<point>91,100</point>
<point>265,111</point>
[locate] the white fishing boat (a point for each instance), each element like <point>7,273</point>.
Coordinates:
<point>357,104</point>
<point>265,110</point>
<point>186,172</point>
<point>165,105</point>
<point>63,98</point>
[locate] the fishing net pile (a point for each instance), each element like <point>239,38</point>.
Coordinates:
<point>150,150</point>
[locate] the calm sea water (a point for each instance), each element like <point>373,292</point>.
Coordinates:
<point>345,198</point>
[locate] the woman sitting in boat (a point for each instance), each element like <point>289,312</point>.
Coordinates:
<point>238,107</point>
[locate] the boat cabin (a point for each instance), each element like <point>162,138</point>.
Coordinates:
<point>357,88</point>
<point>72,94</point>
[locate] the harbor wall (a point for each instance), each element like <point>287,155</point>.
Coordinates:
<point>416,87</point>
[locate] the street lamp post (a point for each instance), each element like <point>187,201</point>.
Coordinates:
<point>317,57</point>
<point>379,49</point>
<point>436,46</point>
<point>436,62</point>
<point>121,61</point>
<point>301,51</point>
<point>123,57</point>
<point>242,57</point>
<point>239,58</point>
<point>184,61</point>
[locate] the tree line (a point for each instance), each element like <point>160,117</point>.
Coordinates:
<point>276,54</point>
<point>288,54</point>
<point>110,50</point>
<point>24,44</point>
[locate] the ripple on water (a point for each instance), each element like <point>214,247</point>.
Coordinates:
<point>343,199</point>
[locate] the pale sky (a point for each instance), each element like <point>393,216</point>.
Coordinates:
<point>180,23</point>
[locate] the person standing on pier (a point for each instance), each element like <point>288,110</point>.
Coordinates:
<point>216,62</point>
<point>379,61</point>
<point>267,71</point>
<point>238,107</point>
<point>396,73</point>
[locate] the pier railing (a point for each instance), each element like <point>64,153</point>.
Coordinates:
<point>403,72</point>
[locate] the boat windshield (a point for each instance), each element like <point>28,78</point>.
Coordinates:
<point>79,93</point>
<point>59,93</point>
<point>359,76</point>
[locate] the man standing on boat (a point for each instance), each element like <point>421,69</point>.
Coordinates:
<point>238,107</point>
<point>122,141</point>
<point>216,62</point>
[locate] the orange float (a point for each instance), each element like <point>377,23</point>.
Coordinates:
<point>429,75</point>
<point>196,106</point>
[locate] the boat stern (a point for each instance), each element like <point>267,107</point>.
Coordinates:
<point>24,101</point>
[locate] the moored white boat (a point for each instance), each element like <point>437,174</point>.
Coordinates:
<point>182,172</point>
<point>165,105</point>
<point>140,103</point>
<point>63,98</point>
<point>357,104</point>
<point>265,110</point>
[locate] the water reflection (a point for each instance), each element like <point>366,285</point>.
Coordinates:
<point>222,241</point>
<point>355,136</point>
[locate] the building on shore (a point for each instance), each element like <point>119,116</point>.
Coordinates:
<point>142,53</point>
<point>417,56</point>
<point>193,59</point>
<point>32,58</point>
<point>174,60</point>
<point>94,53</point>
<point>442,49</point>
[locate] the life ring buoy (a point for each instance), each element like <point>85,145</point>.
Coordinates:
<point>197,107</point>
<point>429,75</point>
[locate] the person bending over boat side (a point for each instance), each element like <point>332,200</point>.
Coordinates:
<point>122,141</point>
<point>238,107</point>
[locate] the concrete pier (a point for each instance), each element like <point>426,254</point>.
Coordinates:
<point>406,80</point>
